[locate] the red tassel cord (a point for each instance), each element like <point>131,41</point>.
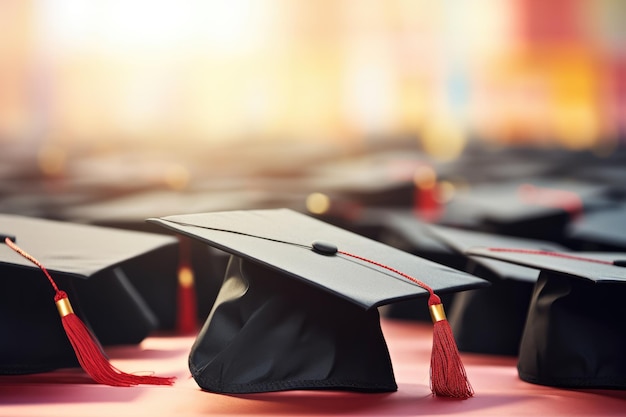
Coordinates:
<point>187,311</point>
<point>88,350</point>
<point>447,373</point>
<point>555,254</point>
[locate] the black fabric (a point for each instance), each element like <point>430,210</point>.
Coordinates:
<point>117,313</point>
<point>575,335</point>
<point>267,332</point>
<point>491,320</point>
<point>33,339</point>
<point>31,334</point>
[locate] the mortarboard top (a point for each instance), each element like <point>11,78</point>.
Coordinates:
<point>461,240</point>
<point>574,333</point>
<point>88,263</point>
<point>290,317</point>
<point>501,164</point>
<point>491,320</point>
<point>404,230</point>
<point>538,209</point>
<point>378,179</point>
<point>129,212</point>
<point>602,230</point>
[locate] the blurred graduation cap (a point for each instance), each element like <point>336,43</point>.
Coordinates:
<point>297,307</point>
<point>86,262</point>
<point>574,334</point>
<point>601,230</point>
<point>376,179</point>
<point>343,192</point>
<point>537,209</point>
<point>491,320</point>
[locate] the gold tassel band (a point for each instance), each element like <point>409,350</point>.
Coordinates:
<point>437,312</point>
<point>64,307</point>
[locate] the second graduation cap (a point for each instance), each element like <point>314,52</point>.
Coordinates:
<point>297,307</point>
<point>86,262</point>
<point>574,333</point>
<point>491,320</point>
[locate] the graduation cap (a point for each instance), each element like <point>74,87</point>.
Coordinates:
<point>574,334</point>
<point>536,209</point>
<point>296,309</point>
<point>491,320</point>
<point>601,230</point>
<point>86,264</point>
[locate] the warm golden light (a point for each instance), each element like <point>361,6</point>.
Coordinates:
<point>443,139</point>
<point>52,160</point>
<point>177,177</point>
<point>214,71</point>
<point>425,177</point>
<point>318,203</point>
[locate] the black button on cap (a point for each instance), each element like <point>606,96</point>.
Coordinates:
<point>324,248</point>
<point>4,236</point>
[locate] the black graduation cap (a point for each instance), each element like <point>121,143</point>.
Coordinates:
<point>297,307</point>
<point>491,320</point>
<point>574,334</point>
<point>536,209</point>
<point>601,230</point>
<point>87,262</point>
<point>373,180</point>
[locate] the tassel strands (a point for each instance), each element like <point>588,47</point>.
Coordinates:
<point>447,373</point>
<point>88,350</point>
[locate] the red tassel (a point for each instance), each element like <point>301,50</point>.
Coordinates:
<point>187,311</point>
<point>426,202</point>
<point>88,350</point>
<point>447,373</point>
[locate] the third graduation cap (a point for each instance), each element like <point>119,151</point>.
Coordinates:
<point>297,305</point>
<point>574,333</point>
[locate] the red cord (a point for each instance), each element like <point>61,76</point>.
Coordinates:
<point>433,299</point>
<point>555,254</point>
<point>19,250</point>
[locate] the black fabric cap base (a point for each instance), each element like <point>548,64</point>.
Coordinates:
<point>258,340</point>
<point>574,335</point>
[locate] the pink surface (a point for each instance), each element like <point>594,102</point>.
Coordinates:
<point>499,392</point>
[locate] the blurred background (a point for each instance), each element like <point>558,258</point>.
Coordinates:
<point>104,98</point>
<point>499,116</point>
